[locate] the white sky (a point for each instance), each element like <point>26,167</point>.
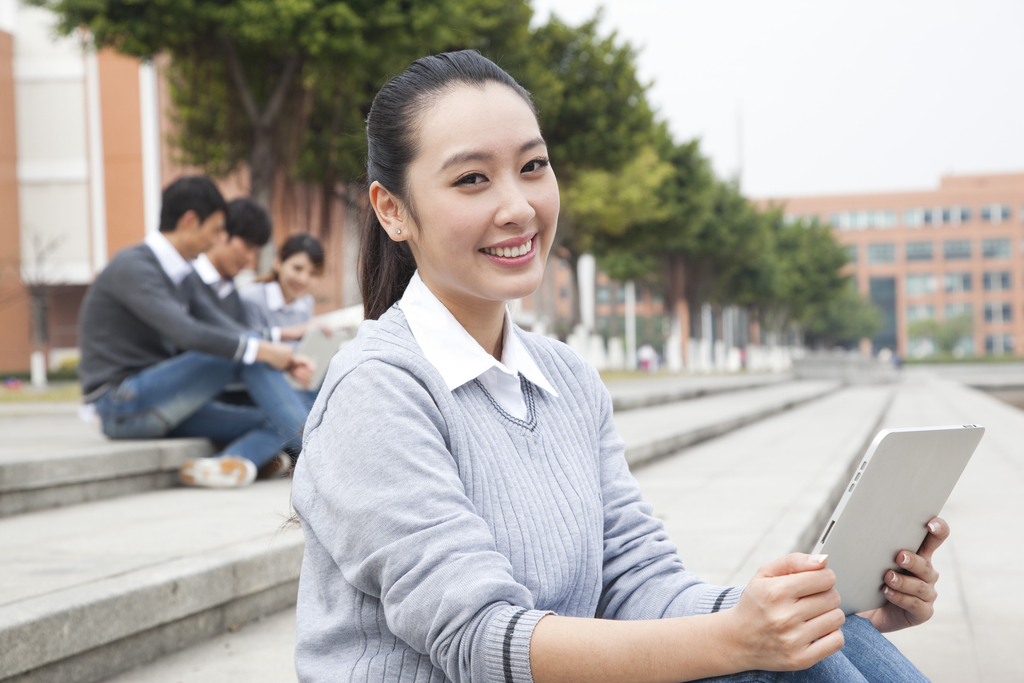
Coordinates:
<point>836,97</point>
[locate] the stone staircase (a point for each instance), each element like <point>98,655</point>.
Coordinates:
<point>106,565</point>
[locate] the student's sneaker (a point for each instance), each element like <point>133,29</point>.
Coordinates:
<point>222,472</point>
<point>280,466</point>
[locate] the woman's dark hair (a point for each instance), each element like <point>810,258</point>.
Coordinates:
<point>189,193</point>
<point>386,266</point>
<point>303,243</point>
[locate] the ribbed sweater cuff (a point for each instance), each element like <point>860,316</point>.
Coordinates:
<point>718,598</point>
<point>507,645</point>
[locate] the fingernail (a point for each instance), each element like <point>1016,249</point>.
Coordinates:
<point>895,578</point>
<point>818,559</point>
<point>934,527</point>
<point>906,560</point>
<point>887,590</point>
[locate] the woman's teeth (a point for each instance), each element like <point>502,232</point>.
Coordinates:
<point>510,252</point>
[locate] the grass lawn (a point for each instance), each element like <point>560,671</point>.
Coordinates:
<point>58,391</point>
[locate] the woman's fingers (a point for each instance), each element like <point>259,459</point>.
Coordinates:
<point>917,609</point>
<point>917,565</point>
<point>938,531</point>
<point>911,586</point>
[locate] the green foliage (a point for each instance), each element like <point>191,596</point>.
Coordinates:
<point>946,334</point>
<point>842,320</point>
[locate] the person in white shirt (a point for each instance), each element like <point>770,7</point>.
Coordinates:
<point>280,301</point>
<point>246,229</point>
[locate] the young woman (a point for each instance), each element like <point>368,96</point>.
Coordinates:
<point>465,501</point>
<point>280,301</point>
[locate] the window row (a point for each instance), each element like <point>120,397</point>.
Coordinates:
<point>917,217</point>
<point>991,281</point>
<point>952,250</point>
<point>995,312</point>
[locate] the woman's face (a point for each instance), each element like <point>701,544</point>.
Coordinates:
<point>484,197</point>
<point>294,275</point>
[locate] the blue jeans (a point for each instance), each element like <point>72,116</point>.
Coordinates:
<point>866,657</point>
<point>175,399</point>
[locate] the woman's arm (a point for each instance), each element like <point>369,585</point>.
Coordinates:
<point>787,619</point>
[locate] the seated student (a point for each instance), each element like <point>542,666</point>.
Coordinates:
<point>281,300</point>
<point>154,354</point>
<point>247,228</point>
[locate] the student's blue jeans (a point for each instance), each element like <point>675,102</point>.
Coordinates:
<point>175,399</point>
<point>866,657</point>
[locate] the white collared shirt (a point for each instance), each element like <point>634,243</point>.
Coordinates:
<point>210,275</point>
<point>171,260</point>
<point>276,302</point>
<point>460,359</point>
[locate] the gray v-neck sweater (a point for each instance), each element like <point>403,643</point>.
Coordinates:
<point>440,530</point>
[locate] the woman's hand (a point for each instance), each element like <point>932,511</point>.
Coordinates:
<point>789,615</point>
<point>911,597</point>
<point>302,369</point>
<point>298,331</point>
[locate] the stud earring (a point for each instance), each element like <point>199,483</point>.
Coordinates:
<point>398,232</point>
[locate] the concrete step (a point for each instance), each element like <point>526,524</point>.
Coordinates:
<point>644,392</point>
<point>92,590</point>
<point>54,459</point>
<point>50,458</point>
<point>658,431</point>
<point>731,504</point>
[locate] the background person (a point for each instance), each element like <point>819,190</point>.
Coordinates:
<point>155,354</point>
<point>247,229</point>
<point>280,300</point>
<point>465,501</point>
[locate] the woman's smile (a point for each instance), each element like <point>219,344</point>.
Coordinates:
<point>512,252</point>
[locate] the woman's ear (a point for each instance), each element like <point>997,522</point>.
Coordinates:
<point>389,212</point>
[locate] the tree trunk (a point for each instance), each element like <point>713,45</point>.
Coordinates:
<point>261,186</point>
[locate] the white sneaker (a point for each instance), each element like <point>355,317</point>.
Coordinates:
<point>222,472</point>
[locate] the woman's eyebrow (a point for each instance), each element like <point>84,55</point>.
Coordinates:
<point>463,157</point>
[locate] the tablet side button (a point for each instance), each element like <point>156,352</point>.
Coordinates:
<point>829,529</point>
<point>851,488</point>
<point>856,476</point>
<point>864,464</point>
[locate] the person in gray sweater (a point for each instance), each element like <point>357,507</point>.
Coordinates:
<point>468,512</point>
<point>155,352</point>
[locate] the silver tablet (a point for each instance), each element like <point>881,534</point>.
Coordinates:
<point>901,483</point>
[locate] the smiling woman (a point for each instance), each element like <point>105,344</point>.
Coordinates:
<point>468,512</point>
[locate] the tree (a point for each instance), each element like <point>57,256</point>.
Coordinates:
<point>843,320</point>
<point>947,334</point>
<point>243,69</point>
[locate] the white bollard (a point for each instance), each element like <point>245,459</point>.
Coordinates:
<point>38,367</point>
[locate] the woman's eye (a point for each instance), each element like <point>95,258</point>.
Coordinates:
<point>536,165</point>
<point>471,179</point>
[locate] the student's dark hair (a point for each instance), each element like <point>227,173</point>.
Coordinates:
<point>248,220</point>
<point>386,266</point>
<point>189,193</point>
<point>303,243</point>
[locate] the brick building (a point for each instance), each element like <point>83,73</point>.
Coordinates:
<point>935,254</point>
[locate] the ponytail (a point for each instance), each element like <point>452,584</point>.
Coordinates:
<point>385,267</point>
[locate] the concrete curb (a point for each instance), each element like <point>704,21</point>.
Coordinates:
<point>642,454</point>
<point>93,631</point>
<point>623,400</point>
<point>114,469</point>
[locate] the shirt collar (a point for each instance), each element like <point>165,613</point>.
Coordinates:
<point>172,262</point>
<point>276,302</point>
<point>455,354</point>
<point>207,271</point>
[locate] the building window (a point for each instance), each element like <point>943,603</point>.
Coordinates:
<point>913,218</point>
<point>995,249</point>
<point>917,312</point>
<point>998,344</point>
<point>957,282</point>
<point>957,310</point>
<point>996,280</point>
<point>860,220</point>
<point>851,253</point>
<point>997,313</point>
<point>602,295</point>
<point>928,217</point>
<point>920,283</point>
<point>919,251</point>
<point>882,253</point>
<point>995,213</point>
<point>956,250</point>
